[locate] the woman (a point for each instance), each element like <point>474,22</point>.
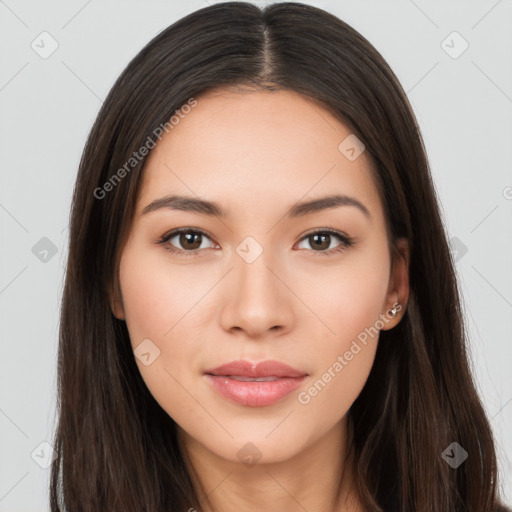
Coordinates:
<point>260,309</point>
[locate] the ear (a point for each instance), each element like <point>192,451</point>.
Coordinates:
<point>398,290</point>
<point>116,301</point>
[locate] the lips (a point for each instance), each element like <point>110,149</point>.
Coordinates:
<point>264,369</point>
<point>254,385</point>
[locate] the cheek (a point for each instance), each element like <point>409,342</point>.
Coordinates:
<point>159,306</point>
<point>348,300</point>
<point>157,297</point>
<point>342,365</point>
<point>346,297</point>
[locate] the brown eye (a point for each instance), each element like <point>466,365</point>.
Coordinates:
<point>320,241</point>
<point>184,241</point>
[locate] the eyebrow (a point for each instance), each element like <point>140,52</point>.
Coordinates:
<point>204,207</point>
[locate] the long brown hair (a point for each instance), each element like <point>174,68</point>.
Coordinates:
<point>117,448</point>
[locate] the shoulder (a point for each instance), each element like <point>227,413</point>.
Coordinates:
<point>502,508</point>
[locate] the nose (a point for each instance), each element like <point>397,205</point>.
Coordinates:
<point>257,299</point>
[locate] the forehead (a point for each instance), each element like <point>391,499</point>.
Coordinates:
<point>254,150</point>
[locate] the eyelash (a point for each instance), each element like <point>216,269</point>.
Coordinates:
<point>346,242</point>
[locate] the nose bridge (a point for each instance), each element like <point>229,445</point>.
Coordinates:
<point>259,300</point>
<point>253,266</point>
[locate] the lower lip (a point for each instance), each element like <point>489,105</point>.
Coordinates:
<point>255,393</point>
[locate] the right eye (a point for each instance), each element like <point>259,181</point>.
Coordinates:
<point>190,240</point>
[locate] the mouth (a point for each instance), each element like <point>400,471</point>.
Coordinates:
<point>264,369</point>
<point>255,385</point>
<point>247,379</point>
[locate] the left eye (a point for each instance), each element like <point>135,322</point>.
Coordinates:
<point>322,240</point>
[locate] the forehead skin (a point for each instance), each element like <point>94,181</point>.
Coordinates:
<point>272,148</point>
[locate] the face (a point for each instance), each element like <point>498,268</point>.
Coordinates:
<point>308,287</point>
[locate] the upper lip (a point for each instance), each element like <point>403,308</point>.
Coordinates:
<point>244,368</point>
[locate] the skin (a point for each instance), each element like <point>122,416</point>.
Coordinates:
<point>257,154</point>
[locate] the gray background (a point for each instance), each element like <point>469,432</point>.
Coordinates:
<point>463,102</point>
